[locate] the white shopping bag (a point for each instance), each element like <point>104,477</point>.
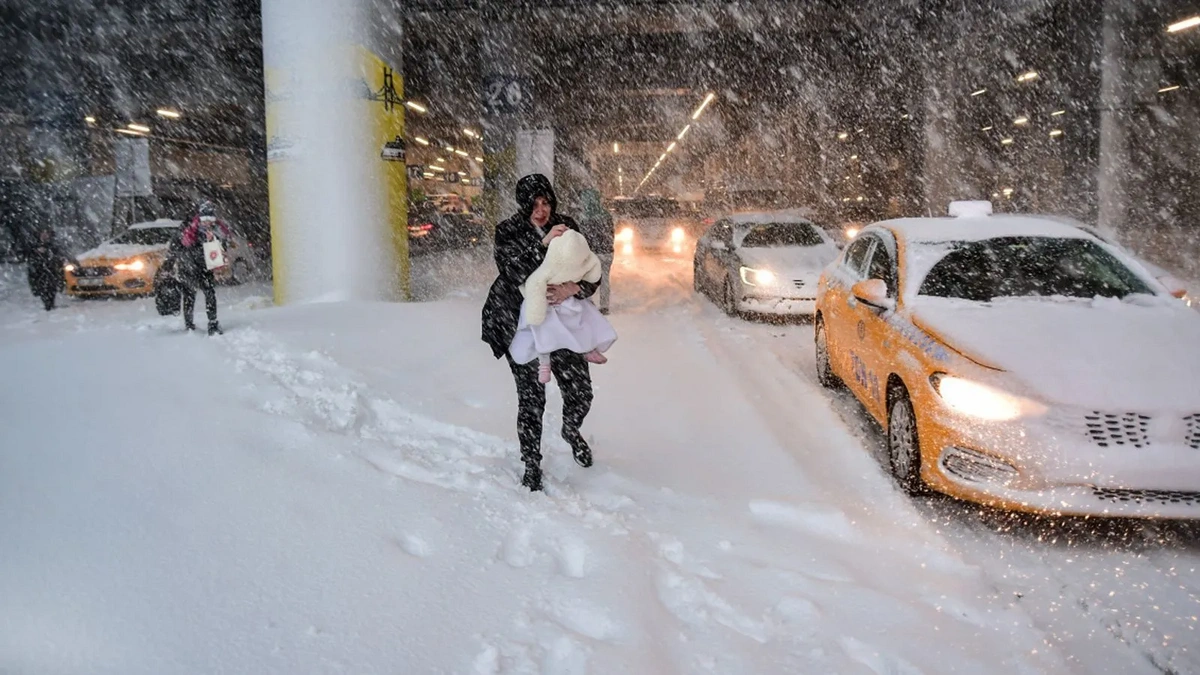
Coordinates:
<point>214,254</point>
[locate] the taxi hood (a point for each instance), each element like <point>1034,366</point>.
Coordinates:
<point>1138,355</point>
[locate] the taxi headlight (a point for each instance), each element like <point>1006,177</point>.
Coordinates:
<point>979,400</point>
<point>136,265</point>
<point>69,267</point>
<point>753,277</point>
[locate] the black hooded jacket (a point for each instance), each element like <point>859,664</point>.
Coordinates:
<point>45,260</point>
<point>518,252</point>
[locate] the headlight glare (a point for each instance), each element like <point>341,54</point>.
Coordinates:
<point>677,235</point>
<point>137,265</point>
<point>69,267</point>
<point>625,235</point>
<point>982,401</point>
<point>753,277</point>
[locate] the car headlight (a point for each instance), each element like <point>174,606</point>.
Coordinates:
<point>851,232</point>
<point>678,235</point>
<point>625,235</point>
<point>753,277</point>
<point>137,265</point>
<point>979,400</point>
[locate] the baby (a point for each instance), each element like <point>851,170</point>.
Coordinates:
<point>573,324</point>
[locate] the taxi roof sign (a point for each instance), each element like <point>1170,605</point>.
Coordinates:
<point>970,209</point>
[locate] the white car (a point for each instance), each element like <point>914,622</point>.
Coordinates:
<point>763,263</point>
<point>1019,362</point>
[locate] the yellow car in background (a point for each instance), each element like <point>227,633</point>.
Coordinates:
<point>1019,362</point>
<point>126,265</point>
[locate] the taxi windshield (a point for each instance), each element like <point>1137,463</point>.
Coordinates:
<point>147,236</point>
<point>1030,266</point>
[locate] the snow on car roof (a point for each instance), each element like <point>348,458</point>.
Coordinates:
<point>978,228</point>
<point>781,216</point>
<point>161,222</point>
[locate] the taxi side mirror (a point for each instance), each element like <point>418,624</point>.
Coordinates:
<point>873,292</point>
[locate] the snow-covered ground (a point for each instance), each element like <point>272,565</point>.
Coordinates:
<point>333,488</point>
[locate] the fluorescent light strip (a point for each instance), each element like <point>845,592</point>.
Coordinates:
<point>1184,25</point>
<point>707,99</point>
<point>416,106</point>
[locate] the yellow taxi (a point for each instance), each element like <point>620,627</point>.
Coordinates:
<point>126,264</point>
<point>1019,362</point>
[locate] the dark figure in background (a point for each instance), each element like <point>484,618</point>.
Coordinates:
<point>520,247</point>
<point>186,253</point>
<point>46,259</point>
<point>596,223</point>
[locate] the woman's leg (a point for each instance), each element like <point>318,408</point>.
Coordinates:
<point>531,404</point>
<point>575,382</point>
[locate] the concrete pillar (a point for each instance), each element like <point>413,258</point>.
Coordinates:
<point>334,97</point>
<point>514,125</point>
<point>1115,94</point>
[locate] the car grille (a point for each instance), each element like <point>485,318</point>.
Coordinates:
<point>1193,430</point>
<point>1109,429</point>
<point>96,271</point>
<point>1126,496</point>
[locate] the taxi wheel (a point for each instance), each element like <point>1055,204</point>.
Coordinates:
<point>825,374</point>
<point>903,444</point>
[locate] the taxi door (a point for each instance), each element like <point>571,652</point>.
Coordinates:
<point>871,343</point>
<point>838,312</point>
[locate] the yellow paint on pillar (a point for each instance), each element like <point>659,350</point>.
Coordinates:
<point>278,147</point>
<point>387,122</point>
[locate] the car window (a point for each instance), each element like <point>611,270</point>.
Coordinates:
<point>855,258</point>
<point>1030,266</point>
<point>782,234</point>
<point>883,267</point>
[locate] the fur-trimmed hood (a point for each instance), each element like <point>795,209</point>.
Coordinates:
<point>568,258</point>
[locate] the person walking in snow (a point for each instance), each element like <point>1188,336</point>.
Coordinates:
<point>596,224</point>
<point>572,324</point>
<point>521,242</point>
<point>45,260</point>
<point>187,254</point>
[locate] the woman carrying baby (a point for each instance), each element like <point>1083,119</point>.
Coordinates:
<point>521,246</point>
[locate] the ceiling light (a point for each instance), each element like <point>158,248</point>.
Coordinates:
<point>843,136</point>
<point>1172,87</point>
<point>616,148</point>
<point>1028,77</point>
<point>660,159</point>
<point>479,159</point>
<point>427,175</point>
<point>845,199</point>
<point>164,112</point>
<point>683,133</point>
<point>128,131</point>
<point>1056,113</point>
<point>905,116</point>
<point>1007,191</point>
<point>1055,132</point>
<point>861,130</point>
<point>413,105</point>
<point>89,119</point>
<point>1021,120</point>
<point>438,160</point>
<point>1184,25</point>
<point>987,128</point>
<point>1007,141</point>
<point>853,156</point>
<point>422,141</point>
<point>462,173</point>
<point>139,127</point>
<point>707,99</point>
<point>979,92</point>
<point>859,198</point>
<point>435,167</point>
<point>671,146</point>
<point>462,153</point>
<point>470,133</point>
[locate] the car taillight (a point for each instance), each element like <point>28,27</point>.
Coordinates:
<point>424,227</point>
